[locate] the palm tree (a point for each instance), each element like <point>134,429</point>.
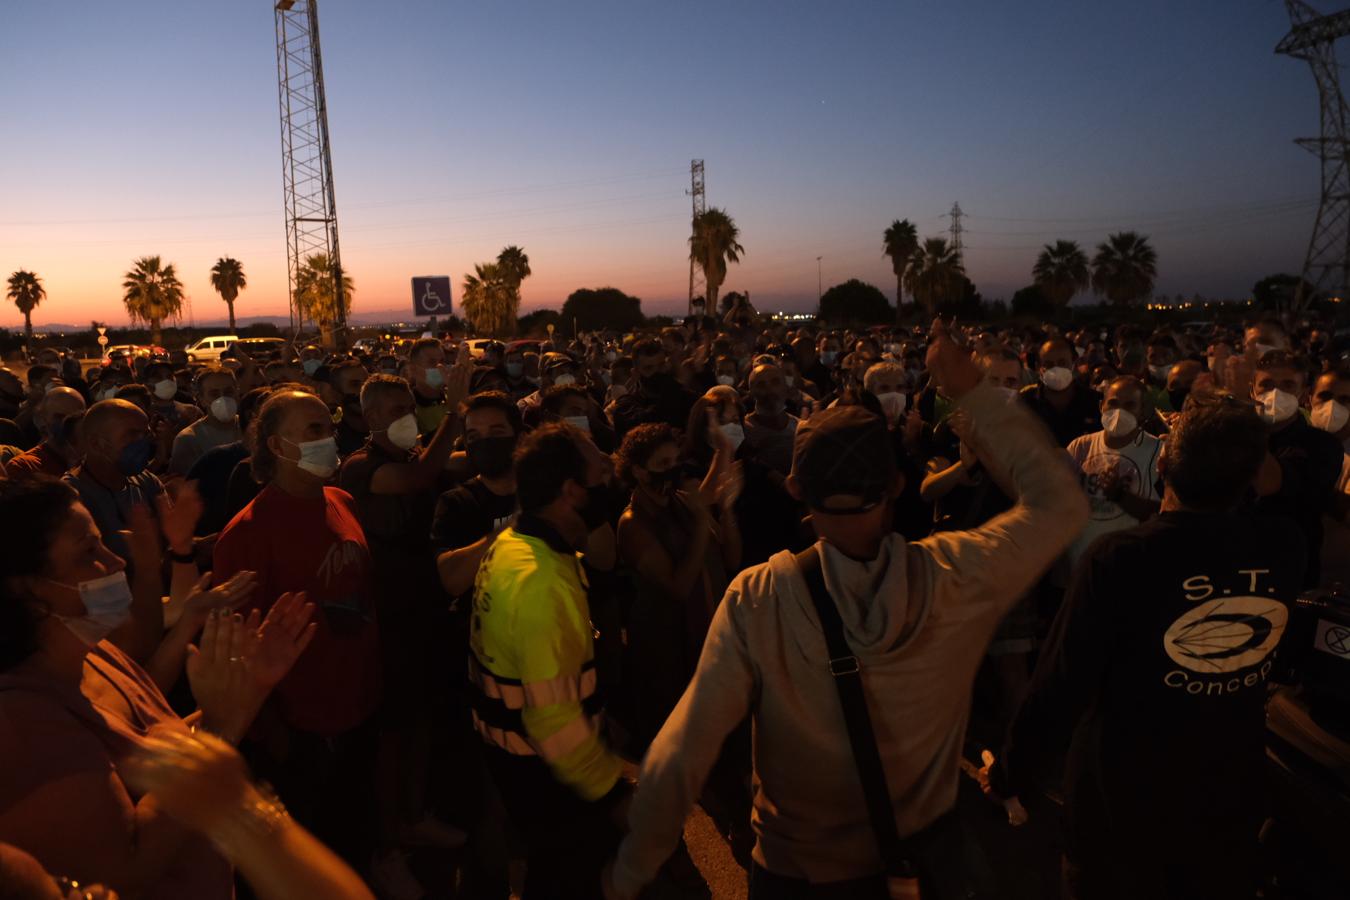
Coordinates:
<point>1061,271</point>
<point>712,245</point>
<point>899,243</point>
<point>227,277</point>
<point>514,265</point>
<point>1124,268</point>
<point>152,293</point>
<point>315,294</point>
<point>26,290</point>
<point>490,301</point>
<point>935,274</point>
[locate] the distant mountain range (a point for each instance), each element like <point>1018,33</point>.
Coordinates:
<point>365,317</point>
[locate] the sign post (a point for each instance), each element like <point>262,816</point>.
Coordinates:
<point>431,295</point>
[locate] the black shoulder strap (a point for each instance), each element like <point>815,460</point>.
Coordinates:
<point>862,739</point>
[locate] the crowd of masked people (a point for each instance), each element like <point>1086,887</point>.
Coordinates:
<point>292,627</point>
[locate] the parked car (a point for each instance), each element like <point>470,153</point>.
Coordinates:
<point>129,352</point>
<point>209,349</point>
<point>260,349</point>
<point>526,346</point>
<point>478,346</point>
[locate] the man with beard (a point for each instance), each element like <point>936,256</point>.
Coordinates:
<point>658,397</point>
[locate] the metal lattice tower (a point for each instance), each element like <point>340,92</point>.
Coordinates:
<point>306,155</point>
<point>1313,38</point>
<point>698,284</point>
<point>956,215</point>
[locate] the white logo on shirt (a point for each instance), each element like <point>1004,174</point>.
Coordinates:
<point>1226,634</point>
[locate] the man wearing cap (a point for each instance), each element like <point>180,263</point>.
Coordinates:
<point>917,618</point>
<point>554,368</point>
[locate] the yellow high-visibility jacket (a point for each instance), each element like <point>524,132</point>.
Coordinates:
<point>532,669</point>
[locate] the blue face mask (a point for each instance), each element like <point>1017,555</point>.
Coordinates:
<point>135,457</point>
<point>311,366</point>
<point>107,604</point>
<point>515,370</point>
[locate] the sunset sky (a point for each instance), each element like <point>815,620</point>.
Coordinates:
<point>150,127</point>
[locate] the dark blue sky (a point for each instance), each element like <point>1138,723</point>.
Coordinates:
<point>149,126</point>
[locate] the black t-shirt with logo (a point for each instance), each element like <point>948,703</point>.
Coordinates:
<point>1161,657</point>
<point>465,515</point>
<point>468,514</point>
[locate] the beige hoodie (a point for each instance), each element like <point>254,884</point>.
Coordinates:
<point>918,617</point>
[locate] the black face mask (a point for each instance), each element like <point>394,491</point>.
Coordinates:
<point>1178,398</point>
<point>596,511</point>
<point>352,402</point>
<point>491,456</point>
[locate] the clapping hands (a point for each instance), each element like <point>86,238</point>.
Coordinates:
<point>240,659</point>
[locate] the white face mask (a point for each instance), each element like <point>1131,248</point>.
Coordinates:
<point>1160,372</point>
<point>579,422</point>
<point>1057,378</point>
<point>224,409</point>
<point>893,404</point>
<point>726,379</point>
<point>166,389</point>
<point>318,458</point>
<point>734,433</point>
<point>403,432</point>
<point>1119,422</point>
<point>107,393</point>
<point>107,605</point>
<point>1276,406</point>
<point>790,380</point>
<point>1330,416</point>
<point>565,378</point>
<point>1263,349</point>
<point>1007,393</point>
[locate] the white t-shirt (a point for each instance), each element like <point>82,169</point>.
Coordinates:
<point>1137,463</point>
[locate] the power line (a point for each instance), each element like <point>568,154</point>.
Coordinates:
<point>423,201</point>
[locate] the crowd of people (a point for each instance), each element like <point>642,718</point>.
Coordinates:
<point>280,625</point>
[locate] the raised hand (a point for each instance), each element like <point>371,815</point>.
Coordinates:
<point>217,672</point>
<point>229,596</point>
<point>284,635</point>
<point>178,516</point>
<point>951,366</point>
<point>143,537</point>
<point>1017,813</point>
<point>458,378</point>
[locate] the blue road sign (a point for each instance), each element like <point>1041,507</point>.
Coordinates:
<point>431,295</point>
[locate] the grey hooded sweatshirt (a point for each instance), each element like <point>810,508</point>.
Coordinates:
<point>918,617</point>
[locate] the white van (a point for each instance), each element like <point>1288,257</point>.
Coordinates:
<point>208,349</point>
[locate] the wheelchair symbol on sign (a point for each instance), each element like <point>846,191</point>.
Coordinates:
<point>431,301</point>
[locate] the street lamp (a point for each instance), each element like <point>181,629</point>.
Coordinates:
<point>820,285</point>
